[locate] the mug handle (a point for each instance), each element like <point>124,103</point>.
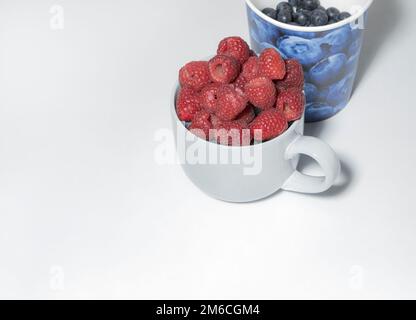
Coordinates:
<point>321,153</point>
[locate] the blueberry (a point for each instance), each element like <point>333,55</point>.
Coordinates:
<point>321,8</point>
<point>300,4</point>
<point>328,70</point>
<point>333,13</point>
<point>343,16</point>
<point>336,41</point>
<point>302,19</point>
<point>284,16</point>
<point>311,92</point>
<point>305,13</point>
<point>308,12</point>
<point>311,4</point>
<point>270,13</point>
<point>267,10</point>
<point>284,6</point>
<point>319,18</point>
<point>307,52</point>
<point>318,112</point>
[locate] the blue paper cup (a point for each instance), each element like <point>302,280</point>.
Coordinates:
<point>329,54</point>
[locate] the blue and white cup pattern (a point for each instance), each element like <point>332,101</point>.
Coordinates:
<point>329,59</point>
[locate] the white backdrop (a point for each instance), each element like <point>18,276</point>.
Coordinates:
<point>86,212</point>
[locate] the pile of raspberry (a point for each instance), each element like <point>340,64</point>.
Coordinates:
<point>238,98</point>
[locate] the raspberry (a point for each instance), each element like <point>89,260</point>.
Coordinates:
<point>291,103</point>
<point>188,104</point>
<point>271,124</point>
<point>209,97</point>
<point>246,116</point>
<point>294,76</point>
<point>272,65</point>
<point>223,69</point>
<point>195,75</point>
<point>231,102</point>
<point>216,122</point>
<point>251,68</point>
<point>201,125</point>
<point>233,134</point>
<point>261,92</point>
<point>234,47</point>
<point>240,82</point>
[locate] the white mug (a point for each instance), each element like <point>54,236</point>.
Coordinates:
<point>250,173</point>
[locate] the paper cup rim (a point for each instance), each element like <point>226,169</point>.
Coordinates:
<point>334,26</point>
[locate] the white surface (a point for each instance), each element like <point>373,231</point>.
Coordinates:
<point>85,212</point>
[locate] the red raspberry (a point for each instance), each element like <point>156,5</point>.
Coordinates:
<point>272,65</point>
<point>223,69</point>
<point>261,92</point>
<point>294,76</point>
<point>195,75</point>
<point>240,82</point>
<point>209,97</point>
<point>201,125</point>
<point>188,104</point>
<point>251,68</point>
<point>216,122</point>
<point>233,134</point>
<point>231,102</point>
<point>291,103</point>
<point>234,47</point>
<point>253,54</point>
<point>246,116</point>
<point>271,124</point>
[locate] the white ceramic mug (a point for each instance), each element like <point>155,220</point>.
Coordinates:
<point>249,173</point>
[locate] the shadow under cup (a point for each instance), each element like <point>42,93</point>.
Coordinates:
<point>329,54</point>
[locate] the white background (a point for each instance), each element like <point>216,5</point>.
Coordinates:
<point>85,211</point>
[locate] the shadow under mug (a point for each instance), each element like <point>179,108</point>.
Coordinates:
<point>329,54</point>
<point>250,173</point>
